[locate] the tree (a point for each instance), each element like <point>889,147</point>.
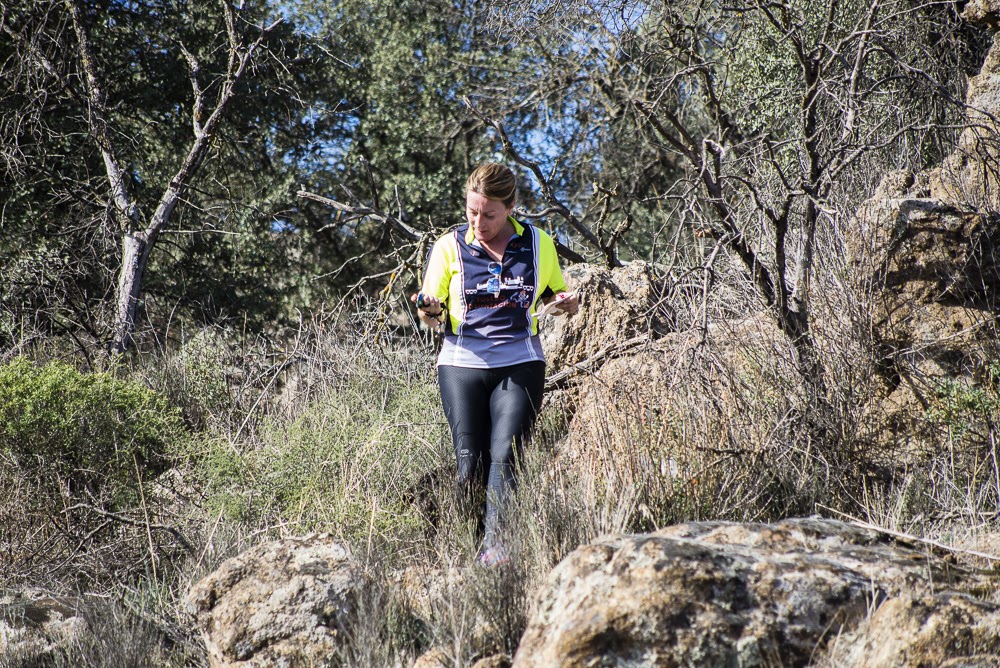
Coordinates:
<point>782,115</point>
<point>396,177</point>
<point>103,78</point>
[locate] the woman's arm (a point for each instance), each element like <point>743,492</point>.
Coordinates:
<point>431,301</point>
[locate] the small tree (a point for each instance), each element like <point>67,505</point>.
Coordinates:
<point>65,43</point>
<point>781,116</point>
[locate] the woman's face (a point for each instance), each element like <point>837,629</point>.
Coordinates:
<point>486,216</point>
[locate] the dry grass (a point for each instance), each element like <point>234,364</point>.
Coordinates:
<point>341,430</point>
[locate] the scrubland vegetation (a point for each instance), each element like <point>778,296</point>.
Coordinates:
<point>208,344</point>
<point>132,483</point>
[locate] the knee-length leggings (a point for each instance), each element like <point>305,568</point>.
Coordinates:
<point>490,412</point>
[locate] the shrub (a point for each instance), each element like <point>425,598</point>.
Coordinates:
<point>217,377</point>
<point>78,456</point>
<point>92,432</point>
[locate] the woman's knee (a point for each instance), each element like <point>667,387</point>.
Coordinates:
<point>466,459</point>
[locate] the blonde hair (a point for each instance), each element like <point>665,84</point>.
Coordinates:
<point>493,181</point>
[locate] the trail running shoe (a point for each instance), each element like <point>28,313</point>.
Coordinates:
<point>494,556</point>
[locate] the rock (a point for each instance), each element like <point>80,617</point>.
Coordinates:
<point>438,658</point>
<point>927,249</point>
<point>281,604</point>
<point>34,625</point>
<point>604,435</point>
<point>725,594</point>
<point>986,12</point>
<point>931,271</point>
<point>433,658</point>
<point>913,631</point>
<point>617,306</point>
<point>640,411</point>
<point>965,177</point>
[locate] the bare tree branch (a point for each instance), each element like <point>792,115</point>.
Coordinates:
<point>365,212</point>
<point>609,251</point>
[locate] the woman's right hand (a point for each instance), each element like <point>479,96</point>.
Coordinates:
<point>430,310</point>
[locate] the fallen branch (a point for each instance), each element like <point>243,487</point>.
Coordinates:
<point>556,380</point>
<point>136,523</point>
<point>917,539</point>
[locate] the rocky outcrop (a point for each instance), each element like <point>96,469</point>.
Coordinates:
<point>968,176</point>
<point>619,308</point>
<point>926,250</point>
<point>932,238</point>
<point>35,626</point>
<point>280,605</point>
<point>934,268</point>
<point>722,594</point>
<point>986,12</point>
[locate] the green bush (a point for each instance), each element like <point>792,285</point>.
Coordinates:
<point>92,431</point>
<point>963,406</point>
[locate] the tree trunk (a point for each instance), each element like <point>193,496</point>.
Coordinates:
<point>129,286</point>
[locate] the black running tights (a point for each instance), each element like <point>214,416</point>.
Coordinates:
<point>490,411</point>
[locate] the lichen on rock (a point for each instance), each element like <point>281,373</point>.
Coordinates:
<point>282,604</point>
<point>728,594</point>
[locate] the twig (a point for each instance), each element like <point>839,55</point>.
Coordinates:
<point>128,520</point>
<point>556,379</point>
<point>204,550</point>
<point>906,536</point>
<point>145,516</point>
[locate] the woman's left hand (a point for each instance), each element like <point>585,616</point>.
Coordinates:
<point>567,302</point>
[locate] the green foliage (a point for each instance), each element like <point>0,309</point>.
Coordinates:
<point>62,237</point>
<point>968,410</point>
<point>349,463</point>
<point>90,430</point>
<point>215,377</point>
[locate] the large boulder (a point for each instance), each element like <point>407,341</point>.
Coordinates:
<point>726,594</point>
<point>282,604</point>
<point>933,268</point>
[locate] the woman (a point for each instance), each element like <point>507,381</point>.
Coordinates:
<point>483,285</point>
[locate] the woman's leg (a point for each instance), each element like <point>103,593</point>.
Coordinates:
<point>514,404</point>
<point>465,396</point>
